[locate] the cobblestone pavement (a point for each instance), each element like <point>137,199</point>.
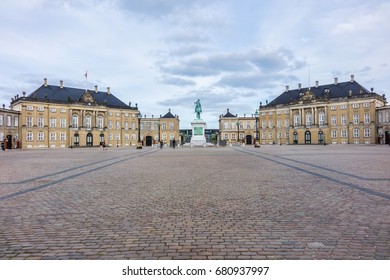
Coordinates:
<point>276,202</point>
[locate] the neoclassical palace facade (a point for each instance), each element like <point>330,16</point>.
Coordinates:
<point>58,116</point>
<point>337,113</point>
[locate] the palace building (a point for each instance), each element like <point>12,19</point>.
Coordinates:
<point>165,128</point>
<point>9,128</point>
<point>238,129</point>
<point>58,116</point>
<point>337,113</point>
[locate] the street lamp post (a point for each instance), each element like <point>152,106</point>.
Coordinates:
<point>257,144</point>
<point>139,144</point>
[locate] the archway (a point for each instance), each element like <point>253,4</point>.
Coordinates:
<point>89,140</point>
<point>9,142</point>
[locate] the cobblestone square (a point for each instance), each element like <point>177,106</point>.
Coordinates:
<point>273,202</point>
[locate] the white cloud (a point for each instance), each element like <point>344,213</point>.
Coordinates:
<point>166,54</point>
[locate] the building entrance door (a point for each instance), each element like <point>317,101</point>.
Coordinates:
<point>9,142</point>
<point>89,139</point>
<point>148,140</point>
<point>307,137</point>
<point>249,139</point>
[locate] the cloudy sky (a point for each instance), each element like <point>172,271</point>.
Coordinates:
<point>166,54</point>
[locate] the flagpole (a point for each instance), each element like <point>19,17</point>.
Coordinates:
<point>86,79</point>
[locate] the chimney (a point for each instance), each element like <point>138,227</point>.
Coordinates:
<point>130,104</point>
<point>372,90</point>
<point>227,110</point>
<point>244,115</point>
<point>61,84</point>
<point>108,90</point>
<point>317,84</point>
<point>96,88</point>
<point>169,110</point>
<point>299,86</point>
<point>24,93</point>
<point>352,78</point>
<point>335,81</point>
<point>45,82</point>
<point>287,87</point>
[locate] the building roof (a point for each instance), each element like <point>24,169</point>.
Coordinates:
<point>58,94</point>
<point>229,115</point>
<point>168,115</point>
<point>350,89</point>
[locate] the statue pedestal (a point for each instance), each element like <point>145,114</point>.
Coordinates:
<point>198,132</point>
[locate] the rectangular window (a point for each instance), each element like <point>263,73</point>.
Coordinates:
<point>118,125</point>
<point>356,133</point>
<point>164,136</point>
<point>248,125</point>
<point>343,107</point>
<point>1,120</point>
<point>270,135</point>
<point>127,137</point>
<point>287,135</point>
<point>63,123</point>
<point>366,104</point>
<point>171,125</point>
<point>241,136</point>
<point>110,124</point>
<point>343,119</point>
<point>226,136</point>
<point>53,110</point>
<point>286,123</point>
<point>355,118</point>
<point>9,120</point>
<point>63,136</point>
<point>380,118</point>
<point>343,133</point>
<point>40,109</point>
<point>226,125</point>
<point>279,123</point>
<point>40,136</point>
<point>367,132</point>
<point>333,120</point>
<point>29,108</point>
<point>334,133</point>
<point>296,120</point>
<point>164,126</point>
<point>263,135</point>
<point>367,118</point>
<point>133,136</point>
<point>355,105</point>
<point>333,107</point>
<point>321,118</point>
<point>270,124</point>
<point>16,121</point>
<point>29,121</point>
<point>53,122</point>
<point>126,125</point>
<point>117,136</point>
<point>53,136</point>
<point>279,135</point>
<point>263,124</point>
<point>29,136</point>
<point>41,122</point>
<point>110,137</point>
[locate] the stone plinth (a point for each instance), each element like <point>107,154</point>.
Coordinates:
<point>198,132</point>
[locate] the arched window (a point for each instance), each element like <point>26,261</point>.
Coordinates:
<point>75,121</point>
<point>321,118</point>
<point>308,119</point>
<point>100,122</point>
<point>296,120</point>
<point>88,122</point>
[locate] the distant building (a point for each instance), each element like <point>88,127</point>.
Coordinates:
<point>59,116</point>
<point>9,128</point>
<point>337,113</point>
<point>237,129</point>
<point>383,123</point>
<point>164,128</point>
